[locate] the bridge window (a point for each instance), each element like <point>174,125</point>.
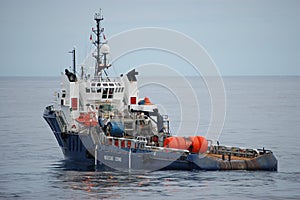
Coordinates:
<point>104,94</point>
<point>87,90</point>
<point>111,93</point>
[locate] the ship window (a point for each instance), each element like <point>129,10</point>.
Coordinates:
<point>111,93</point>
<point>93,84</point>
<point>104,94</point>
<point>122,89</point>
<point>87,90</point>
<point>105,84</point>
<point>93,90</point>
<point>63,95</point>
<point>119,84</point>
<point>98,88</point>
<point>111,84</point>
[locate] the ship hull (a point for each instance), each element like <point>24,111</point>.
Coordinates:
<point>80,151</point>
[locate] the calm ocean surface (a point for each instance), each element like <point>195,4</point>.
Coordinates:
<point>261,112</point>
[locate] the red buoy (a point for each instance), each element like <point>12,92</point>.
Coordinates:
<point>195,144</point>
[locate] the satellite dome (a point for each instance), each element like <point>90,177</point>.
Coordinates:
<point>105,49</point>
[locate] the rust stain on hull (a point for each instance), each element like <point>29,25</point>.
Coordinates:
<point>261,162</point>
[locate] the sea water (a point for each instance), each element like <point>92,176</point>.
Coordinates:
<point>261,112</point>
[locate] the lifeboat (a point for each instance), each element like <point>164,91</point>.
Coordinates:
<point>195,144</point>
<point>87,119</point>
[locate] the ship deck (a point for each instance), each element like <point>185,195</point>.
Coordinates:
<point>232,157</point>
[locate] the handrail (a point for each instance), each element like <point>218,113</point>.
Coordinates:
<point>162,149</point>
<point>224,150</point>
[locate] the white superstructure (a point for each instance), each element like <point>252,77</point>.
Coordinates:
<point>113,103</point>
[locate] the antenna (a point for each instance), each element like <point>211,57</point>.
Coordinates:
<point>74,60</point>
<point>98,18</point>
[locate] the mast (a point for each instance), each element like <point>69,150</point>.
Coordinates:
<point>74,60</point>
<point>98,18</point>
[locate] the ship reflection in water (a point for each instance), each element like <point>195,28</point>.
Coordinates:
<point>86,183</point>
<point>115,184</point>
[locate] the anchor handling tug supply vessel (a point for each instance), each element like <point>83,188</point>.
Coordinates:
<point>101,121</point>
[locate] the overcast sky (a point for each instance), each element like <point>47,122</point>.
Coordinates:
<point>243,37</point>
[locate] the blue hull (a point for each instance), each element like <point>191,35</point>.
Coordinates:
<point>79,151</point>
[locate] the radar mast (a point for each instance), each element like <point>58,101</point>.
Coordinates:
<point>98,18</point>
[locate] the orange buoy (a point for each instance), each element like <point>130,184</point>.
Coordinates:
<point>177,142</point>
<point>195,144</point>
<point>194,148</point>
<point>199,144</point>
<point>204,144</point>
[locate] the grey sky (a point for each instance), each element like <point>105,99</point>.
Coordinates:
<point>243,37</point>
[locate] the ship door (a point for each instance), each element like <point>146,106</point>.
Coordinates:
<point>63,97</point>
